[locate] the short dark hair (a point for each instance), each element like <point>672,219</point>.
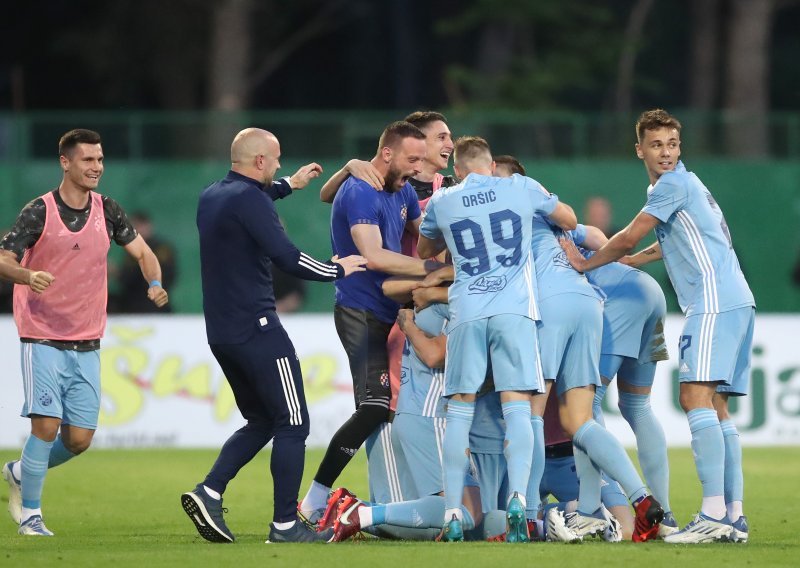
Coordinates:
<point>71,139</point>
<point>423,118</point>
<point>653,120</point>
<point>393,134</point>
<point>514,165</point>
<point>468,148</point>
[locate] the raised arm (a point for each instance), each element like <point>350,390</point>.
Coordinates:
<point>356,168</point>
<point>430,350</point>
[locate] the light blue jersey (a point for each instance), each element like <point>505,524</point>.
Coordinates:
<point>696,246</point>
<point>487,224</point>
<point>554,273</point>
<point>421,387</point>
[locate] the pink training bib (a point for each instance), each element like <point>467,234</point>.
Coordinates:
<point>73,307</point>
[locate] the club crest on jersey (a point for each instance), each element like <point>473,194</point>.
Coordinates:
<point>404,212</point>
<point>486,284</point>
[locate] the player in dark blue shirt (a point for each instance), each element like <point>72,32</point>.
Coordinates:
<point>240,237</point>
<point>370,223</point>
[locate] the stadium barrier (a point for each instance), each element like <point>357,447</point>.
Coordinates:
<point>161,386</point>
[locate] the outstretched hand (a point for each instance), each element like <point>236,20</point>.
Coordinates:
<point>40,280</point>
<point>304,175</point>
<point>158,296</point>
<point>575,258</point>
<point>352,263</point>
<point>365,171</point>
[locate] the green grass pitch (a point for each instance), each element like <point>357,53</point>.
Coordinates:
<point>121,508</point>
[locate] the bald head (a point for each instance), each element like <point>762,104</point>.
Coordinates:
<point>255,153</point>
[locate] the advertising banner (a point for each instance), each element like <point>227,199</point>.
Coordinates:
<point>161,386</point>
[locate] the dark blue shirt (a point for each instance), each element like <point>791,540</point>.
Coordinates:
<point>240,237</point>
<point>357,203</point>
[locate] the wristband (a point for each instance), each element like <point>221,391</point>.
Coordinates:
<point>155,283</point>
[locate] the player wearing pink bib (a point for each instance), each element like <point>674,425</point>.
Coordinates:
<point>56,254</point>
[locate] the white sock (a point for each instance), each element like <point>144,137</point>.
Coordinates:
<point>284,526</point>
<point>714,507</point>
<point>365,517</point>
<point>316,498</point>
<point>448,515</point>
<point>16,469</point>
<point>211,493</point>
<point>735,510</point>
<point>28,513</point>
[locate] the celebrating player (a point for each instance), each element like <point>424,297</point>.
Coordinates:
<point>56,254</point>
<point>715,344</point>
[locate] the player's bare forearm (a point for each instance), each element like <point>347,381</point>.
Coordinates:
<point>328,191</point>
<point>644,256</point>
<point>395,263</point>
<point>399,288</point>
<point>11,270</point>
<point>428,248</point>
<point>430,350</point>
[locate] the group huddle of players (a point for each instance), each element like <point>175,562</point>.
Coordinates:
<point>478,439</point>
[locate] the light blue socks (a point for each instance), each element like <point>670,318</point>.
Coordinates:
<point>518,445</point>
<point>608,455</point>
<point>651,443</point>
<point>454,451</point>
<point>537,468</point>
<point>35,457</point>
<point>708,447</point>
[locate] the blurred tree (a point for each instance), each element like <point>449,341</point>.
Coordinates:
<point>531,55</point>
<point>630,48</point>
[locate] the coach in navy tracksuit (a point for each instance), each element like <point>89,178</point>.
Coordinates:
<point>240,237</point>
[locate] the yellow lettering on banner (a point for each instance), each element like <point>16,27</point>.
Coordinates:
<point>122,397</point>
<point>169,379</point>
<point>318,375</point>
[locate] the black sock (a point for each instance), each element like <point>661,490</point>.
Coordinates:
<point>347,440</point>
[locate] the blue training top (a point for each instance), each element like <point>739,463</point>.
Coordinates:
<point>240,237</point>
<point>357,203</point>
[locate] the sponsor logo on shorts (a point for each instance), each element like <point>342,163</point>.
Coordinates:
<point>349,451</point>
<point>684,368</point>
<point>385,379</point>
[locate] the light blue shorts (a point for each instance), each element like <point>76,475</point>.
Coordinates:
<point>717,348</point>
<point>509,340</point>
<point>62,384</point>
<point>569,340</point>
<point>386,484</point>
<point>633,319</point>
<point>561,481</point>
<point>491,472</point>
<point>419,440</point>
<point>628,370</point>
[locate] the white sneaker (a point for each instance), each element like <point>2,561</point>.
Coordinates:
<point>583,525</point>
<point>34,526</point>
<point>740,531</point>
<point>668,526</point>
<point>703,529</point>
<point>14,492</point>
<point>613,532</point>
<point>556,529</point>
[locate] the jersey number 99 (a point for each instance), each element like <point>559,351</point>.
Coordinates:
<point>478,254</point>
